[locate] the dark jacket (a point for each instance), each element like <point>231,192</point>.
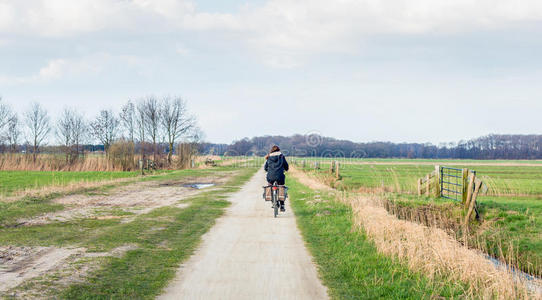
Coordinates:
<point>275,166</point>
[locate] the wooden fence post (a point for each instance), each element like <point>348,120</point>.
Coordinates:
<point>337,170</point>
<point>470,187</point>
<point>427,184</point>
<point>419,186</point>
<point>141,162</point>
<point>472,203</point>
<point>464,180</point>
<point>437,181</point>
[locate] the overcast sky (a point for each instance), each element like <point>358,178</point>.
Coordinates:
<point>364,70</point>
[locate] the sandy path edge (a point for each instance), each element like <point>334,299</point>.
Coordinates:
<point>248,254</point>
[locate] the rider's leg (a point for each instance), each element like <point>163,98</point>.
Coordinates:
<point>281,182</point>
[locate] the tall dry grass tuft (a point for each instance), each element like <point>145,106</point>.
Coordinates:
<point>447,217</point>
<point>55,162</point>
<point>121,155</point>
<point>305,179</point>
<point>434,252</point>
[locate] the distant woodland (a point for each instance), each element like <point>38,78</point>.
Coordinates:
<point>493,146</point>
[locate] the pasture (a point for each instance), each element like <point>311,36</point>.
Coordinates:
<point>15,181</point>
<point>510,227</point>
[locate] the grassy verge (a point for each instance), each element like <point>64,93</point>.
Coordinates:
<point>349,263</point>
<point>161,240</point>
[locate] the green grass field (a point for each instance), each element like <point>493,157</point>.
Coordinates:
<point>13,181</point>
<point>500,179</point>
<point>511,210</point>
<point>419,160</point>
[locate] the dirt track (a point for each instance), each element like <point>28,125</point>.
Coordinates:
<point>19,264</point>
<point>249,255</point>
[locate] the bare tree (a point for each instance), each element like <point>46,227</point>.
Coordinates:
<point>140,122</point>
<point>70,131</point>
<point>37,122</point>
<point>5,114</point>
<point>104,128</point>
<point>152,121</point>
<point>79,132</point>
<point>127,118</point>
<point>13,133</point>
<point>176,121</point>
<point>64,132</point>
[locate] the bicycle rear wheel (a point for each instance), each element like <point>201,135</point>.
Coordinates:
<point>275,204</point>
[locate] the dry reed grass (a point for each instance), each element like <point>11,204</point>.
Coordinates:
<point>444,216</point>
<point>434,252</point>
<point>91,162</point>
<point>52,162</point>
<point>312,182</point>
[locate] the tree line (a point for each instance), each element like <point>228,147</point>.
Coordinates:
<point>154,126</point>
<point>149,125</point>
<point>493,146</point>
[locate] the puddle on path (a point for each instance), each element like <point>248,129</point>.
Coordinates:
<point>199,186</point>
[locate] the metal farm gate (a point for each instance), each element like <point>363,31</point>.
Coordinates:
<point>453,183</point>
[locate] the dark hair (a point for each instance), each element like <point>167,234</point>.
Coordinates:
<point>275,148</point>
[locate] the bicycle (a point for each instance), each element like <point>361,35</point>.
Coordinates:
<point>275,196</point>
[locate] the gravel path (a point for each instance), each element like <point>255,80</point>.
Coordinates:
<point>249,254</point>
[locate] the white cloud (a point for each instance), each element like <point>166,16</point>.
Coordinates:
<point>288,22</point>
<point>170,9</point>
<point>61,18</point>
<point>312,26</point>
<point>181,49</point>
<point>61,68</point>
<point>6,15</point>
<point>282,32</point>
<point>58,68</point>
<point>54,69</point>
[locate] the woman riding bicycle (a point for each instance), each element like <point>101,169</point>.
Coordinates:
<point>275,166</point>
